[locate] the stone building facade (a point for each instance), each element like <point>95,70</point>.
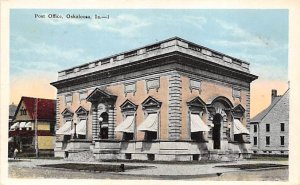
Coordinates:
<point>171,100</point>
<point>269,130</point>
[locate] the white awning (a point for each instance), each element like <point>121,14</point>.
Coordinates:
<point>80,128</point>
<point>150,123</point>
<point>28,125</point>
<point>65,129</point>
<point>197,125</point>
<point>239,128</point>
<point>126,126</point>
<point>15,126</point>
<point>22,125</point>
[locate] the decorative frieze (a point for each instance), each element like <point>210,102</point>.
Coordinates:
<point>129,88</point>
<point>68,99</point>
<point>152,84</point>
<point>236,93</point>
<point>82,95</point>
<point>195,84</point>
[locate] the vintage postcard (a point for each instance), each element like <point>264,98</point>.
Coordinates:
<point>197,91</point>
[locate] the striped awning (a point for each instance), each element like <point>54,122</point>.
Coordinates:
<point>80,128</point>
<point>15,126</point>
<point>28,125</point>
<point>22,125</point>
<point>239,128</point>
<point>65,129</point>
<point>127,125</point>
<point>150,123</point>
<point>197,125</point>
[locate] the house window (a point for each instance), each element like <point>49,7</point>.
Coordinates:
<point>23,111</point>
<point>68,99</point>
<point>282,127</point>
<point>267,140</point>
<point>82,96</point>
<point>151,123</point>
<point>281,140</point>
<point>267,127</point>
<point>255,128</point>
<point>149,136</point>
<point>52,128</point>
<point>255,141</point>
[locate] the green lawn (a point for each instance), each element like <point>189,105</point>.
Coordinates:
<point>268,158</point>
<point>93,167</point>
<point>253,166</point>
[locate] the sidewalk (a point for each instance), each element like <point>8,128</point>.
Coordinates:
<point>156,170</point>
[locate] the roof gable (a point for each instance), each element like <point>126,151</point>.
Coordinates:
<point>46,108</point>
<point>278,106</point>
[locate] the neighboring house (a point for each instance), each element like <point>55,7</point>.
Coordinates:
<point>171,100</point>
<point>23,129</point>
<point>12,110</point>
<point>269,129</point>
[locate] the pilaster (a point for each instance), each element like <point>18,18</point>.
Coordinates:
<point>174,106</point>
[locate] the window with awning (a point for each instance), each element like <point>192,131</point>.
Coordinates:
<point>150,123</point>
<point>239,128</point>
<point>127,125</point>
<point>80,128</point>
<point>197,125</point>
<point>22,125</point>
<point>15,126</point>
<point>65,129</point>
<point>28,125</point>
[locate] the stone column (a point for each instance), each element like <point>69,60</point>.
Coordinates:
<point>111,122</point>
<point>174,106</point>
<point>247,114</point>
<point>95,121</point>
<point>58,123</point>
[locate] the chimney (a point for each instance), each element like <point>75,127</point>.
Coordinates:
<point>274,94</point>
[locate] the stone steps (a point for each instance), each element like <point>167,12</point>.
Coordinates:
<point>81,156</point>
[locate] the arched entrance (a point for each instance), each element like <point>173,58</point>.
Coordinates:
<point>216,132</point>
<point>103,123</point>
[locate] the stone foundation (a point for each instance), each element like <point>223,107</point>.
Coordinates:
<point>167,151</point>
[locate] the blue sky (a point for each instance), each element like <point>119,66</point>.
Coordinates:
<point>257,36</point>
<point>42,47</point>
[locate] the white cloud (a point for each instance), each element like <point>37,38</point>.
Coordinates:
<point>240,37</point>
<point>125,24</point>
<point>195,20</point>
<point>44,57</point>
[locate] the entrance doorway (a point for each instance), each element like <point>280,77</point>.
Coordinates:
<point>104,126</point>
<point>216,132</point>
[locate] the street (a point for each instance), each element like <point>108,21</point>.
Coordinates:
<point>31,169</point>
